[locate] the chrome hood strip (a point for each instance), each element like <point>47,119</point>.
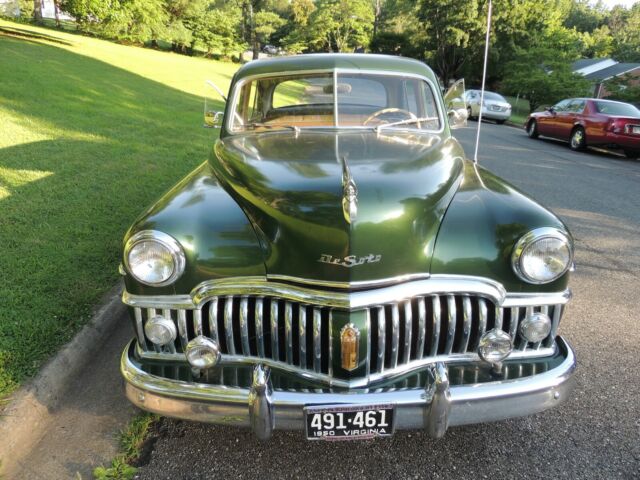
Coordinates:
<point>261,286</point>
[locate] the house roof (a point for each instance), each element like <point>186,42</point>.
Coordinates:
<point>612,71</point>
<point>586,62</point>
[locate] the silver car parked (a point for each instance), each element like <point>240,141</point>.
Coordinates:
<point>494,107</point>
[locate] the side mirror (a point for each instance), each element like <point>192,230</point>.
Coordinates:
<point>456,105</point>
<point>457,117</point>
<point>213,119</point>
<point>550,110</point>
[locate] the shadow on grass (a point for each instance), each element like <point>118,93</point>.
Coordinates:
<point>29,34</point>
<point>101,144</point>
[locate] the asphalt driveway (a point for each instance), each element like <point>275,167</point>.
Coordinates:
<point>594,435</point>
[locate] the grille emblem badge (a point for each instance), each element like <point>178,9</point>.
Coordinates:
<point>349,346</point>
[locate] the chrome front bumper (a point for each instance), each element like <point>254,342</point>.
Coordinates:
<point>434,407</point>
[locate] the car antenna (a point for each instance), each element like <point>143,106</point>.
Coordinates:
<point>484,77</point>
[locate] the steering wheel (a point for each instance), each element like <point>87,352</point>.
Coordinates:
<point>392,110</point>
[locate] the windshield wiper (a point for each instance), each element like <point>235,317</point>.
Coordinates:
<point>267,125</point>
<point>406,122</point>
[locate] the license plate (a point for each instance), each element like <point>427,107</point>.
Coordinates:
<point>635,129</point>
<point>349,422</point>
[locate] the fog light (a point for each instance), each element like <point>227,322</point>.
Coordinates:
<point>160,330</point>
<point>536,327</point>
<point>495,346</point>
<point>202,353</point>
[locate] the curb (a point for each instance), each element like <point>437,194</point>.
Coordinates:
<point>24,420</point>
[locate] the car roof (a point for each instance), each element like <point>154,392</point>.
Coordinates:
<point>332,61</point>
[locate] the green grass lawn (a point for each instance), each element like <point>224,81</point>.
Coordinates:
<point>520,110</point>
<point>91,132</point>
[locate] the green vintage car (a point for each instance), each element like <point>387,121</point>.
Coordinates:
<point>339,267</point>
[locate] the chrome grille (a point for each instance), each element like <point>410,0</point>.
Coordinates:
<point>298,335</point>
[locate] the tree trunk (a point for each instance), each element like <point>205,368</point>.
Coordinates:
<point>37,11</point>
<point>56,9</point>
<point>252,33</point>
<point>376,20</point>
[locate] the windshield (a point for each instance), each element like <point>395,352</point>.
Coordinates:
<point>615,108</point>
<point>494,96</point>
<point>360,100</point>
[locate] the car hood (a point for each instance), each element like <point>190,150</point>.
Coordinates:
<point>291,185</point>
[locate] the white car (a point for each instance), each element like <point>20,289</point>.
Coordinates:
<point>495,107</point>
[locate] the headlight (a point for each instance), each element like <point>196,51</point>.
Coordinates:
<point>154,258</point>
<point>542,255</point>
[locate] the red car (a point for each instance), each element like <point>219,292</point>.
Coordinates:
<point>586,122</point>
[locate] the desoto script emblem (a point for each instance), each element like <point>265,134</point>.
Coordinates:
<point>349,261</point>
<point>349,342</point>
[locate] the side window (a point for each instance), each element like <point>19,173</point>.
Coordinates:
<point>577,106</point>
<point>561,106</point>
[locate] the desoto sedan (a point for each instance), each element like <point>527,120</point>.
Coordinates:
<point>585,122</point>
<point>339,267</point>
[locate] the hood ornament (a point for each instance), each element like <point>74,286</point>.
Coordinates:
<point>349,193</point>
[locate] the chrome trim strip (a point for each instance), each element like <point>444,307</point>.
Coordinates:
<point>395,334</point>
<point>259,326</point>
<point>555,322</point>
<point>331,336</point>
<point>197,321</point>
<point>142,340</point>
<point>422,327</point>
<point>436,284</point>
<point>466,322</point>
<point>544,309</point>
<point>523,341</point>
<point>437,319</point>
<point>483,312</point>
<point>408,329</point>
<point>288,331</point>
<point>213,319</point>
<point>302,342</point>
<point>171,345</point>
<point>383,282</point>
<point>499,314</point>
<point>451,324</point>
<point>382,338</point>
<point>515,321</point>
<point>244,325</point>
<point>317,340</point>
<point>182,329</point>
<point>275,351</point>
<point>228,324</point>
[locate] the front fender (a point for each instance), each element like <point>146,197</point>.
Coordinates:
<point>217,237</point>
<point>483,222</point>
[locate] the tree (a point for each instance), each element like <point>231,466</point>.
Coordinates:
<point>135,21</point>
<point>623,88</point>
<point>543,76</point>
<point>625,28</point>
<point>217,30</point>
<point>341,25</point>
